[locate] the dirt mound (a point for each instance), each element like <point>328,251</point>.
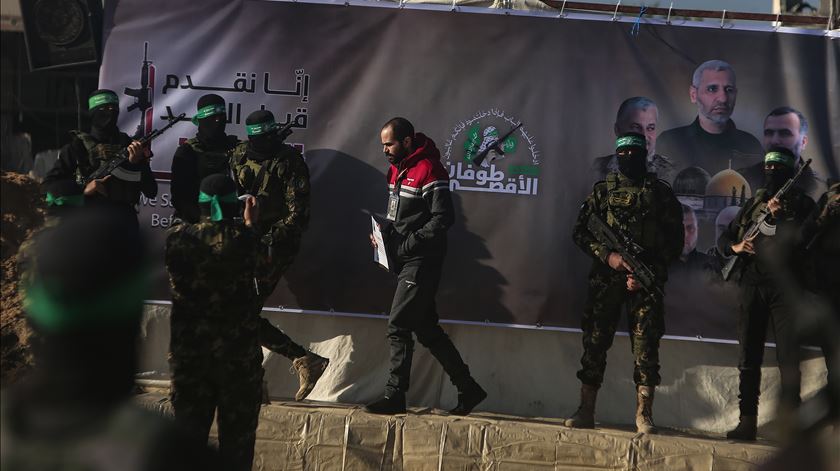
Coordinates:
<point>21,215</point>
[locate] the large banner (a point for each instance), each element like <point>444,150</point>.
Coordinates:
<point>339,72</point>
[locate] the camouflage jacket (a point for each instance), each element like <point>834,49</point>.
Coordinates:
<point>211,271</point>
<point>650,214</point>
<point>281,185</point>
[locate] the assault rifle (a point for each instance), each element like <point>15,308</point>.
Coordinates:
<point>755,227</point>
<point>143,96</point>
<point>285,131</point>
<point>617,241</point>
<point>112,164</point>
<point>496,145</point>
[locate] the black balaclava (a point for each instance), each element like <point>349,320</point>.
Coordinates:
<point>631,152</point>
<point>783,162</point>
<point>261,128</point>
<point>85,299</point>
<point>62,196</point>
<point>211,119</point>
<point>104,107</point>
<point>217,198</point>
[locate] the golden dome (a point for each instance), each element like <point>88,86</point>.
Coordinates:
<point>723,182</point>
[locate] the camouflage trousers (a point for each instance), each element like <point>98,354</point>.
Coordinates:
<point>270,268</point>
<point>231,386</point>
<point>606,296</point>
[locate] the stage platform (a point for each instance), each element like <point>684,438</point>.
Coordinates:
<point>330,436</point>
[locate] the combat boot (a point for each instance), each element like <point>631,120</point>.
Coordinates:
<point>644,410</point>
<point>309,368</point>
<point>746,429</point>
<point>584,417</point>
<point>468,397</point>
<point>393,403</point>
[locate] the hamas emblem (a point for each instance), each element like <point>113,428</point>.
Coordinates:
<point>492,152</point>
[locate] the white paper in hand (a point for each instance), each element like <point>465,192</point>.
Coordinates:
<point>379,254</point>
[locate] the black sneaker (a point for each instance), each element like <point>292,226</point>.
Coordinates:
<point>388,405</point>
<point>470,397</point>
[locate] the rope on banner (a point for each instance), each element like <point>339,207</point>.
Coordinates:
<point>777,23</point>
<point>562,8</point>
<point>667,20</point>
<point>722,18</point>
<point>454,5</point>
<point>669,13</point>
<point>634,30</point>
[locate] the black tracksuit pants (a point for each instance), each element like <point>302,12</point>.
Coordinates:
<point>413,313</point>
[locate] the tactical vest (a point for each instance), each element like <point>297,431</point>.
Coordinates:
<point>125,185</point>
<point>634,209</point>
<point>210,162</point>
<point>266,180</point>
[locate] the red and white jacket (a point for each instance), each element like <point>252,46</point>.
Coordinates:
<point>425,209</point>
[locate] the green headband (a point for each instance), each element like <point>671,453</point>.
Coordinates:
<point>102,99</point>
<point>261,128</point>
<point>71,200</point>
<point>778,158</point>
<point>630,141</point>
<point>208,110</point>
<point>123,303</point>
<point>214,200</point>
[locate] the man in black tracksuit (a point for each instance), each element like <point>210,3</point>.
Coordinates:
<point>420,211</point>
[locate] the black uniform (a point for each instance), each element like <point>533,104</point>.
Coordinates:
<point>195,159</point>
<point>762,301</point>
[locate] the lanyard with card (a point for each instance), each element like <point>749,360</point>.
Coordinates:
<point>394,198</point>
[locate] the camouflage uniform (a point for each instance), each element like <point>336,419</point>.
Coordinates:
<point>73,411</point>
<point>215,356</point>
<point>281,186</point>
<point>653,217</point>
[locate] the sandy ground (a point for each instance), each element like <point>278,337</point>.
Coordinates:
<point>22,215</point>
